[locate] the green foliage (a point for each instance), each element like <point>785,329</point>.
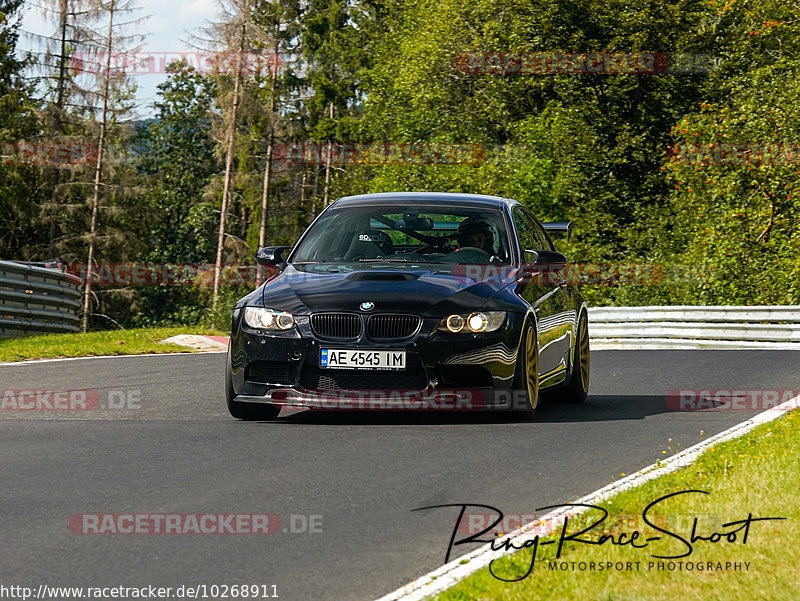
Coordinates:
<point>596,149</point>
<point>21,234</point>
<point>735,213</point>
<point>176,153</point>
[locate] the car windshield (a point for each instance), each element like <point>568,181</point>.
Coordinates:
<point>403,234</point>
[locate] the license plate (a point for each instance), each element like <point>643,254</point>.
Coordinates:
<point>361,359</point>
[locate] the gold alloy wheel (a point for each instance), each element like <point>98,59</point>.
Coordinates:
<point>532,369</point>
<point>583,340</point>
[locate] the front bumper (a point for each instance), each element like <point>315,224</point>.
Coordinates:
<point>443,371</point>
<point>371,400</point>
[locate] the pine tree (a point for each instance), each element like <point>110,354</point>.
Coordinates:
<point>112,100</point>
<point>20,196</point>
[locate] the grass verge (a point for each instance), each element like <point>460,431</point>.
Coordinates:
<point>758,473</point>
<point>94,344</point>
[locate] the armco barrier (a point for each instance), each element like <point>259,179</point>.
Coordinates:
<point>37,300</point>
<point>690,327</point>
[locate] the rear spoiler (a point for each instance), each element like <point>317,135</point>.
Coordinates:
<point>558,227</point>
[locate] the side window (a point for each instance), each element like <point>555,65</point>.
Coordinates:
<point>524,231</point>
<point>546,242</point>
<point>529,237</point>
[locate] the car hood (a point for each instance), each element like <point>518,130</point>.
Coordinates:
<point>431,290</point>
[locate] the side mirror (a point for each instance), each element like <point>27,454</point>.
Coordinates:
<point>545,258</point>
<point>270,256</point>
<point>544,267</point>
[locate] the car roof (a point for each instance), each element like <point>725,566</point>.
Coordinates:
<point>430,198</point>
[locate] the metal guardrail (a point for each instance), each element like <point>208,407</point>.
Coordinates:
<point>37,300</point>
<point>690,327</point>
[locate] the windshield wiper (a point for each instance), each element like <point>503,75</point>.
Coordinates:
<point>397,260</point>
<point>384,260</point>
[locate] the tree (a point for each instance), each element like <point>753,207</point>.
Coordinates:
<point>229,36</point>
<point>734,175</point>
<point>176,157</point>
<point>330,79</point>
<point>60,65</point>
<point>278,21</point>
<point>20,195</point>
<point>112,94</point>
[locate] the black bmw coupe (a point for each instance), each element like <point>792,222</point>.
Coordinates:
<point>411,300</point>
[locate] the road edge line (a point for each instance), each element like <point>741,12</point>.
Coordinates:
<point>36,361</point>
<point>452,573</point>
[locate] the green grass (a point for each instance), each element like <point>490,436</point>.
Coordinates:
<point>758,473</point>
<point>116,342</point>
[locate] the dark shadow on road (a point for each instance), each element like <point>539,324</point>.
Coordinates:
<point>595,408</point>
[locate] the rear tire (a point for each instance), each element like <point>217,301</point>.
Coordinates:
<point>526,378</point>
<point>246,411</point>
<point>577,389</point>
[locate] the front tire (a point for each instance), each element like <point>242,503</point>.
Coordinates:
<point>246,411</point>
<point>526,378</point>
<point>577,389</point>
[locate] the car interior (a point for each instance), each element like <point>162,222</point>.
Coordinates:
<point>432,236</point>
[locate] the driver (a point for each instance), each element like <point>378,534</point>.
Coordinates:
<point>476,232</point>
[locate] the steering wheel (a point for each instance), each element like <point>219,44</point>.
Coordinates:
<point>468,254</point>
<point>492,258</point>
<point>473,249</point>
<point>440,243</point>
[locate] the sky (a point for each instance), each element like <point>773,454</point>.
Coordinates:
<point>168,28</point>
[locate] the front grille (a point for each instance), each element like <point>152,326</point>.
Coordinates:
<point>269,372</point>
<point>392,327</point>
<point>313,378</point>
<point>336,325</point>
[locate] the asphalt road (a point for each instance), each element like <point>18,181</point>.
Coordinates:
<point>174,449</point>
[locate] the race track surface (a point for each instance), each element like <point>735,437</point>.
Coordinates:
<point>176,450</point>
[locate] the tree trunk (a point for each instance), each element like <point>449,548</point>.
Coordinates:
<point>63,16</point>
<point>262,233</point>
<point>315,194</point>
<point>231,134</point>
<point>299,219</point>
<point>328,160</point>
<point>98,172</point>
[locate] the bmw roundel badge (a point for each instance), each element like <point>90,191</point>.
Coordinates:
<point>367,306</point>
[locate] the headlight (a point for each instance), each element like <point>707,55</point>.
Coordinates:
<point>268,319</point>
<point>454,323</point>
<point>480,321</point>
